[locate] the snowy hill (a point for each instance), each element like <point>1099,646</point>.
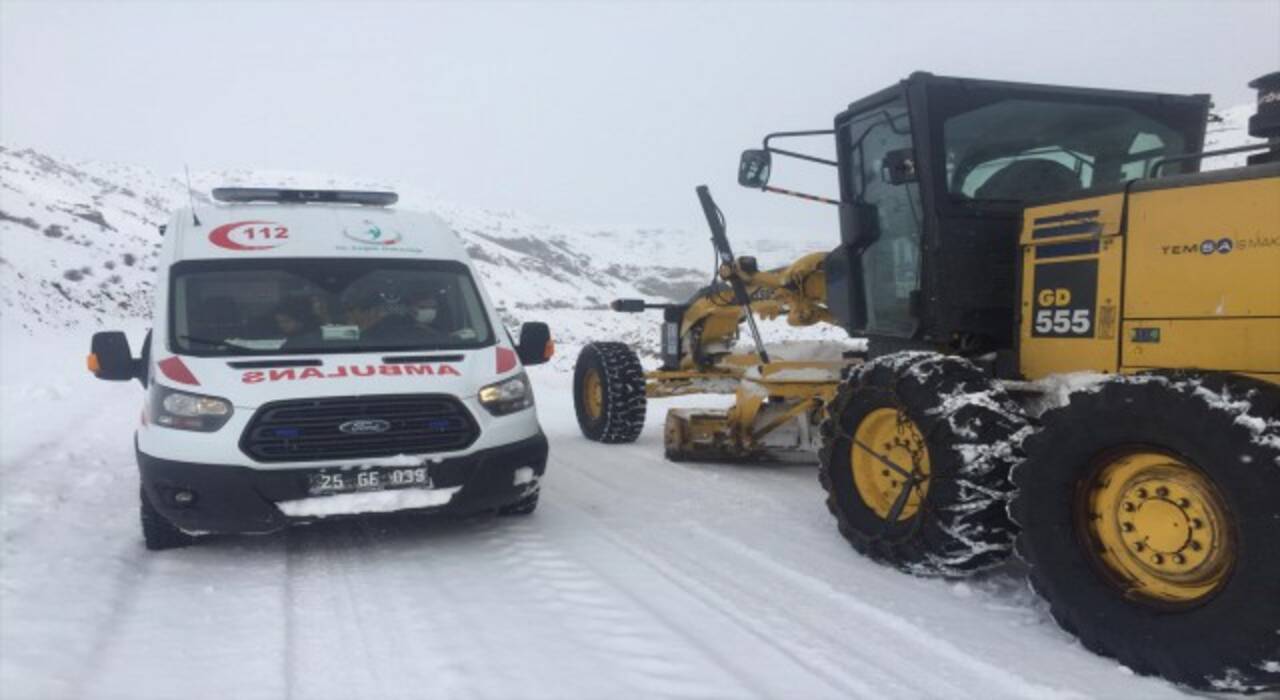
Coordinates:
<point>1229,128</point>
<point>79,241</point>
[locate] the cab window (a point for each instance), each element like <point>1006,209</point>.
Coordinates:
<point>1016,150</point>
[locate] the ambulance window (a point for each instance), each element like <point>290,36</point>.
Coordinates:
<point>297,306</point>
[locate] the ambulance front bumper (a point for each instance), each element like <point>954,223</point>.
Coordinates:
<point>229,499</point>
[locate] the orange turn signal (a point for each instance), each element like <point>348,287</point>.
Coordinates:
<point>549,350</point>
<point>92,362</point>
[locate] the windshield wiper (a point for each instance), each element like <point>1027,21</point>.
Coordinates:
<point>215,343</point>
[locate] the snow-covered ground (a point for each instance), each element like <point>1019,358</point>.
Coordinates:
<point>637,577</point>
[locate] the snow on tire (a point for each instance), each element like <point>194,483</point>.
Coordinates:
<point>1149,523</point>
<point>955,522</point>
<point>608,393</point>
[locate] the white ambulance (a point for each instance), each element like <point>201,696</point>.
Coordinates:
<point>317,353</point>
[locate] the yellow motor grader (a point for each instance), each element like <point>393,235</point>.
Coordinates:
<point>1074,354</point>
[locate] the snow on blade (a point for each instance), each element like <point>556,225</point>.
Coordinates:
<point>807,350</point>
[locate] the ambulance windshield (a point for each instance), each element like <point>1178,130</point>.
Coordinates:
<point>323,305</point>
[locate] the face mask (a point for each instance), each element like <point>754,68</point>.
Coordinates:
<point>426,315</point>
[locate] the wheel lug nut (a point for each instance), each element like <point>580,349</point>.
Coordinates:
<point>1157,559</point>
<point>1195,546</point>
<point>1162,492</point>
<point>1127,507</point>
<point>1184,503</point>
<point>1138,546</point>
<point>885,472</point>
<point>1179,559</point>
<point>1196,523</point>
<point>1142,493</point>
<point>1127,527</point>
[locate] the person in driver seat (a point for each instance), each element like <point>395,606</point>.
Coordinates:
<point>378,309</point>
<point>429,313</point>
<point>1030,179</point>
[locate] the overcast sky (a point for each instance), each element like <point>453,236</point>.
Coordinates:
<point>586,113</point>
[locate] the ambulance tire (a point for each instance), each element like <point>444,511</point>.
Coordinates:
<point>157,532</point>
<point>524,506</point>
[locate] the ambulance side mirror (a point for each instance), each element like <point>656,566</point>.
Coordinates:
<point>110,357</point>
<point>535,345</point>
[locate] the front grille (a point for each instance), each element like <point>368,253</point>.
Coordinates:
<point>307,429</point>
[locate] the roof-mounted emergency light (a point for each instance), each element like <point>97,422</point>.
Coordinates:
<point>273,194</point>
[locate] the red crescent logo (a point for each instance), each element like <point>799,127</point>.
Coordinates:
<point>221,236</point>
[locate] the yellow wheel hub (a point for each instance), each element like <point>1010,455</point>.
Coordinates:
<point>1159,527</point>
<point>889,455</point>
<point>593,394</point>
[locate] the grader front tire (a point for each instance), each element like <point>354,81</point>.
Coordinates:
<point>1149,524</point>
<point>608,393</point>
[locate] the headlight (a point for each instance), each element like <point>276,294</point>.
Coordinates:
<point>507,396</point>
<point>183,411</point>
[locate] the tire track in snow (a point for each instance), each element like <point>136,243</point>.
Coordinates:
<point>70,574</point>
<point>288,604</point>
<point>695,575</point>
<point>992,678</point>
<point>353,673</point>
<point>606,620</point>
<point>415,616</point>
<point>656,492</point>
<point>211,615</point>
<point>128,582</point>
<point>760,618</point>
<point>367,586</point>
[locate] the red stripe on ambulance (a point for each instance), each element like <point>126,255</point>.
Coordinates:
<point>290,374</point>
<point>506,359</point>
<point>175,369</point>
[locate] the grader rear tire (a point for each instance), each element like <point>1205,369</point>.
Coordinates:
<point>915,460</point>
<point>608,393</point>
<point>1149,517</point>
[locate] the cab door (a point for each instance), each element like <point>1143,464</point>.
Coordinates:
<point>870,142</point>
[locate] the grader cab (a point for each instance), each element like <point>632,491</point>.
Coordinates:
<point>1073,350</point>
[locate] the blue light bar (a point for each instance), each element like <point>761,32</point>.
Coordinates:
<point>286,196</point>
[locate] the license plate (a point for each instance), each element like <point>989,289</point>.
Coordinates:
<point>352,481</point>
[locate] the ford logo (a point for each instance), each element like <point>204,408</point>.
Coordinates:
<point>365,426</point>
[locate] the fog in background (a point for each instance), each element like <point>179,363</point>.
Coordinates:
<point>597,113</point>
